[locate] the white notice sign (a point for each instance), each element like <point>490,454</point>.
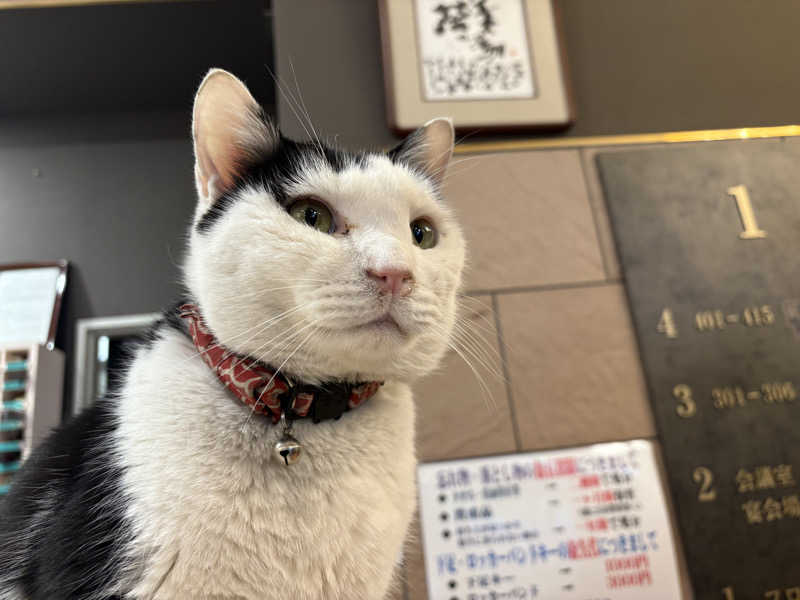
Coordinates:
<point>586,523</point>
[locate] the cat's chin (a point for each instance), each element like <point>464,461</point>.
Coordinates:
<point>381,337</point>
<point>386,325</point>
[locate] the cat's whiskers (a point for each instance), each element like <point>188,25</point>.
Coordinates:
<point>280,345</point>
<point>488,397</point>
<point>475,318</point>
<point>453,344</point>
<point>268,342</point>
<point>298,279</point>
<point>467,330</point>
<point>293,106</point>
<point>278,370</point>
<point>459,161</point>
<point>442,171</point>
<point>257,293</point>
<point>453,170</point>
<point>489,326</point>
<point>304,108</point>
<point>453,173</point>
<point>264,325</point>
<point>291,282</point>
<point>470,332</point>
<point>479,348</point>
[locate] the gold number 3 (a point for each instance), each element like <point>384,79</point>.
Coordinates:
<point>686,405</point>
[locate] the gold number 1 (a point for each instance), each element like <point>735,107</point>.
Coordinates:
<point>751,230</point>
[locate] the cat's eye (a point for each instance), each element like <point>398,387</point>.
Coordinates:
<point>314,214</point>
<point>423,233</point>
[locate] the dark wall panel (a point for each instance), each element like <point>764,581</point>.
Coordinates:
<point>118,211</point>
<point>645,65</point>
<point>137,56</point>
<point>328,54</point>
<point>635,65</point>
<point>95,155</point>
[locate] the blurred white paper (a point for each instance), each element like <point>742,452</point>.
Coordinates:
<point>586,523</point>
<point>27,298</point>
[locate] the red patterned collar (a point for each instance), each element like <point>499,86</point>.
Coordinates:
<point>268,392</point>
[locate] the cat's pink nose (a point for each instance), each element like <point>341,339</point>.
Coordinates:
<point>397,282</point>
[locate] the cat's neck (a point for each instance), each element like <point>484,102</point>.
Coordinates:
<point>319,374</point>
<point>169,384</point>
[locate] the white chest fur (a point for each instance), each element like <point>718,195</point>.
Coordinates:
<point>217,516</point>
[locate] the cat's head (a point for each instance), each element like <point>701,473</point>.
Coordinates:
<point>325,263</point>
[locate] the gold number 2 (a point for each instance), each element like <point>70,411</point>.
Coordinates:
<point>705,478</point>
<point>751,230</point>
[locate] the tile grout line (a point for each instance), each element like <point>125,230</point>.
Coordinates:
<point>589,197</point>
<point>506,374</point>
<point>546,287</point>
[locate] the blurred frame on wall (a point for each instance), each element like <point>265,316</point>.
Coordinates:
<point>30,302</point>
<point>488,65</point>
<point>102,349</point>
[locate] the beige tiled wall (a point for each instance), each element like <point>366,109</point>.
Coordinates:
<point>544,309</point>
<point>525,226</point>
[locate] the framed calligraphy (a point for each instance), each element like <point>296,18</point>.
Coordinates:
<point>490,65</point>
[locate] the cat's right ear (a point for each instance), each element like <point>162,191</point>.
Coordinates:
<point>230,131</point>
<point>428,149</point>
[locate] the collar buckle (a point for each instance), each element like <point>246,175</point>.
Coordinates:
<point>330,402</point>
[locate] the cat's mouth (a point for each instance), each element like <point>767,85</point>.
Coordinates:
<point>385,323</point>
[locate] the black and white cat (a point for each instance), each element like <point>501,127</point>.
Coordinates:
<point>331,266</point>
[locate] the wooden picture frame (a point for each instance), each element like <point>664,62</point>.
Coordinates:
<point>491,67</point>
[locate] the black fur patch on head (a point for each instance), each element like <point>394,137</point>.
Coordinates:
<point>399,153</point>
<point>63,532</point>
<point>213,214</point>
<point>279,169</point>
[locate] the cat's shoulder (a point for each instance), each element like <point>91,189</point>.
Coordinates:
<point>66,501</point>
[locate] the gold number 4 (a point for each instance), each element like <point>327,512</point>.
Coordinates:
<point>705,478</point>
<point>666,324</point>
<point>746,214</point>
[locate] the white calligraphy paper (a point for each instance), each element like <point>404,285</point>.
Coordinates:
<point>474,50</point>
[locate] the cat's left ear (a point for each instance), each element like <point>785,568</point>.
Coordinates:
<point>230,131</point>
<point>428,149</point>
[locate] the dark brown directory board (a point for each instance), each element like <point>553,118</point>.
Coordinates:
<point>708,237</point>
